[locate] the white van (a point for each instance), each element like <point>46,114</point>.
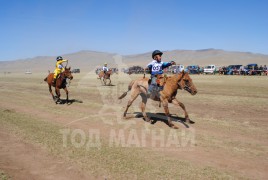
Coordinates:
<point>210,69</point>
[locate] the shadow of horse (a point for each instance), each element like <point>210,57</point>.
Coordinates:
<point>69,102</point>
<point>108,85</point>
<point>161,117</point>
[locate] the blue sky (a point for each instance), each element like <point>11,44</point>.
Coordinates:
<point>54,27</point>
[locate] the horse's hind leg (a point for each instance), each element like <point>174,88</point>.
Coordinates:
<point>134,95</point>
<point>178,103</point>
<point>50,90</point>
<point>143,105</point>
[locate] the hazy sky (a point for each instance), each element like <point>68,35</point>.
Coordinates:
<point>30,28</point>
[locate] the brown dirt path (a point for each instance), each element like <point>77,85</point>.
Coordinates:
<point>22,160</point>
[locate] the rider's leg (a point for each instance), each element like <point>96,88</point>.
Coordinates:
<point>55,77</point>
<point>152,86</point>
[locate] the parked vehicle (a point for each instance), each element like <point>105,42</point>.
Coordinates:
<point>193,69</point>
<point>28,72</point>
<point>251,69</point>
<point>176,69</point>
<point>76,71</point>
<point>233,69</point>
<point>135,70</point>
<point>211,69</point>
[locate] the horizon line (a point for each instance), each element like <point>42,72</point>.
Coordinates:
<point>107,52</point>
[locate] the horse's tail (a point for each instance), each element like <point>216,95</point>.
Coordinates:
<point>45,79</point>
<point>129,88</point>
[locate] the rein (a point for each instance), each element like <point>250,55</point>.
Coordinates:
<point>66,65</point>
<point>186,87</point>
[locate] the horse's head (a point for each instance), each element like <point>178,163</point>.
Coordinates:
<point>187,84</point>
<point>110,71</point>
<point>68,73</point>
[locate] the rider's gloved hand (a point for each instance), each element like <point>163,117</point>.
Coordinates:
<point>173,62</point>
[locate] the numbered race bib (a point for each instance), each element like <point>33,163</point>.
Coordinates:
<point>156,67</point>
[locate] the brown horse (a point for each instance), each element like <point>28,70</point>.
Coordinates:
<point>104,76</point>
<point>167,95</point>
<point>60,84</point>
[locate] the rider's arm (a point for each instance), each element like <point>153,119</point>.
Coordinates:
<point>167,64</point>
<point>61,61</point>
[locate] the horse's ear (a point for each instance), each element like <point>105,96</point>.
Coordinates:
<point>70,68</point>
<point>182,72</point>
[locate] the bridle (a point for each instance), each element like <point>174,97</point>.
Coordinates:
<point>186,87</point>
<point>64,76</point>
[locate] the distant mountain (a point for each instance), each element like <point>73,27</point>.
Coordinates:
<point>84,60</point>
<point>203,57</point>
<point>88,60</point>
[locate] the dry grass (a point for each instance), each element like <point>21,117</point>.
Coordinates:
<point>4,176</point>
<point>112,162</point>
<point>230,115</point>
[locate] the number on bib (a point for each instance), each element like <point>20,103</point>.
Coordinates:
<point>156,68</point>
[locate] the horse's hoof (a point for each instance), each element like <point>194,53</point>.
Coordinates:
<point>187,120</point>
<point>148,120</point>
<point>171,125</point>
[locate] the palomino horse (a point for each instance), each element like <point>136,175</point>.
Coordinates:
<point>167,95</point>
<point>104,76</point>
<point>60,83</point>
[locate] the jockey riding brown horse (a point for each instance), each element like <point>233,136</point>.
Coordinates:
<point>105,76</point>
<point>167,95</point>
<point>60,84</point>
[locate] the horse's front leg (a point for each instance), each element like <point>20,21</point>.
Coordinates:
<point>165,105</point>
<point>178,103</point>
<point>67,95</point>
<point>57,90</point>
<point>104,81</point>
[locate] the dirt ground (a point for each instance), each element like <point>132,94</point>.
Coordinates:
<point>42,140</point>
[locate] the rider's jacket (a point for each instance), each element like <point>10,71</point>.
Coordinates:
<point>59,67</point>
<point>157,67</point>
<point>104,68</point>
<point>59,64</point>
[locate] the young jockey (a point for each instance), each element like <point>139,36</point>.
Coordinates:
<point>59,68</point>
<point>105,68</point>
<point>156,68</point>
